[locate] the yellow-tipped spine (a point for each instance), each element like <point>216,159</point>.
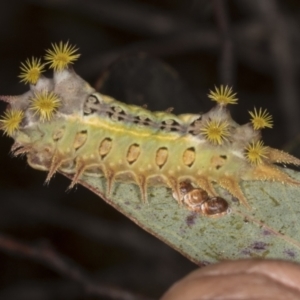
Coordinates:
<point>223,95</point>
<point>31,70</point>
<point>61,55</point>
<point>45,104</point>
<point>256,152</point>
<point>261,119</point>
<point>215,131</point>
<point>11,121</point>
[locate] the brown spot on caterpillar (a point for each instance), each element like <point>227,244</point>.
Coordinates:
<point>133,153</point>
<point>142,120</point>
<point>105,147</point>
<point>161,156</point>
<point>194,127</point>
<point>117,113</point>
<point>196,123</point>
<point>92,99</point>
<point>58,134</point>
<point>170,125</point>
<point>91,105</point>
<point>117,109</point>
<point>217,161</point>
<point>80,139</point>
<point>189,156</point>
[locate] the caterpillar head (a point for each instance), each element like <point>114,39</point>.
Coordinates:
<point>43,109</point>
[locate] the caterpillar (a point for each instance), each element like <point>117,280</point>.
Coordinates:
<point>63,124</point>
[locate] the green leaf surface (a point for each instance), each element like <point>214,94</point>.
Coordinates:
<point>271,229</point>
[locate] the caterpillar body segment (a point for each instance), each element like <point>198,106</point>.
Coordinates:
<point>63,124</point>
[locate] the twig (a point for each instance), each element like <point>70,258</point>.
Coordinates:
<point>283,62</point>
<point>205,40</point>
<point>134,17</point>
<point>48,257</point>
<point>226,60</point>
<point>95,228</point>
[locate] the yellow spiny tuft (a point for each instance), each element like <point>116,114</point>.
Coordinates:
<point>11,121</point>
<point>215,131</point>
<point>60,56</point>
<point>255,152</point>
<point>261,119</point>
<point>223,95</point>
<point>31,70</point>
<point>45,104</point>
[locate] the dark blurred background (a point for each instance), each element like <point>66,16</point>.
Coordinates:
<point>163,53</point>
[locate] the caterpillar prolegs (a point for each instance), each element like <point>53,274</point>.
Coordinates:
<point>63,124</point>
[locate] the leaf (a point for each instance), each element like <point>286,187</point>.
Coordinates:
<point>269,230</point>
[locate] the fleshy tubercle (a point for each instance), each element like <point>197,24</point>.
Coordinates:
<point>63,124</point>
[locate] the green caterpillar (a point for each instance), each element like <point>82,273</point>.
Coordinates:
<point>63,124</point>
